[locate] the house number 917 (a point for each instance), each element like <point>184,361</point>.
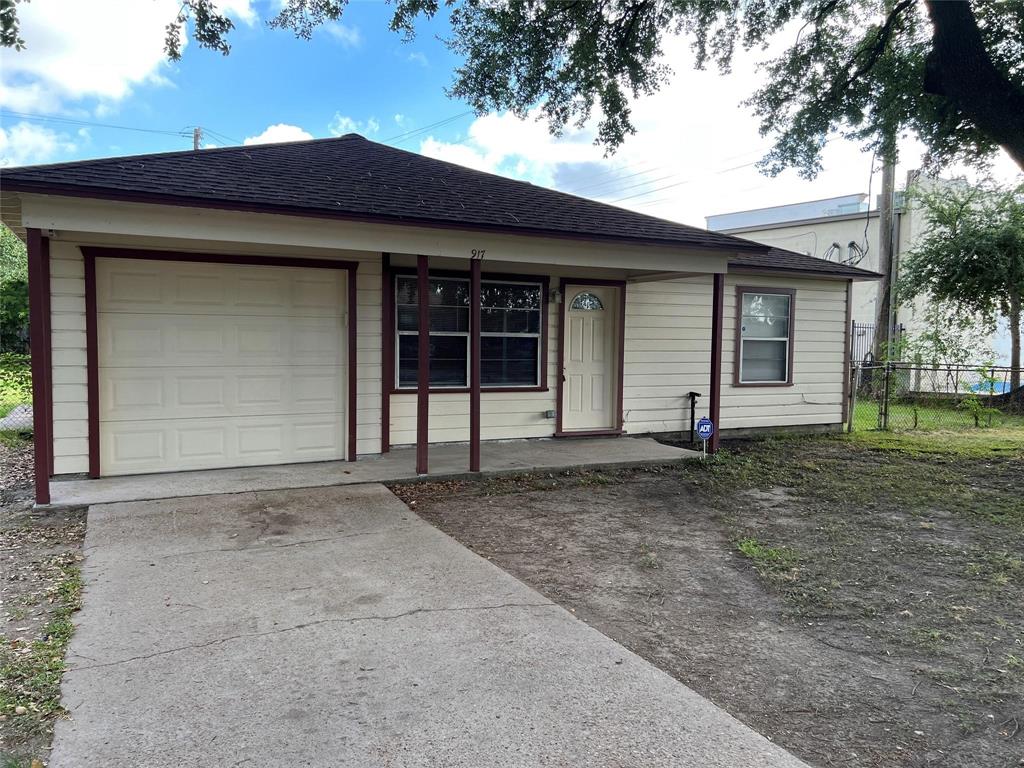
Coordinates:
<point>478,253</point>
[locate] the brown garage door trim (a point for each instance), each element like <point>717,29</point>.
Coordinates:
<point>91,253</point>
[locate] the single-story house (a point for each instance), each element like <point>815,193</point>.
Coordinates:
<point>262,305</point>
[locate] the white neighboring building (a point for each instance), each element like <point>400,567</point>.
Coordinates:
<point>845,230</point>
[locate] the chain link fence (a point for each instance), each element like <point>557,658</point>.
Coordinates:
<point>15,393</point>
<point>906,396</point>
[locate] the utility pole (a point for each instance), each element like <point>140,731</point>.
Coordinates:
<point>884,315</point>
<point>197,136</point>
<point>885,306</point>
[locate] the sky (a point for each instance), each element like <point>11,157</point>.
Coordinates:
<point>94,82</point>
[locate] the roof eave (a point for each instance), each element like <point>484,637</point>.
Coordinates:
<point>861,274</point>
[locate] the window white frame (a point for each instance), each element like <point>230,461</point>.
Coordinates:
<point>787,340</point>
<point>466,335</point>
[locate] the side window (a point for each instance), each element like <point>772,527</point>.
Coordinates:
<point>765,337</point>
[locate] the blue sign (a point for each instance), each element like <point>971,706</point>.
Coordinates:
<point>705,428</point>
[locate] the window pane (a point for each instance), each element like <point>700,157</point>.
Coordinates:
<point>509,320</point>
<point>408,317</point>
<point>509,360</point>
<point>765,327</point>
<point>765,305</point>
<point>449,305</point>
<point>504,296</point>
<point>448,356</point>
<point>586,302</point>
<point>405,290</point>
<point>764,361</point>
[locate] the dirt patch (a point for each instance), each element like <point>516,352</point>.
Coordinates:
<point>17,473</point>
<point>40,589</point>
<point>860,607</point>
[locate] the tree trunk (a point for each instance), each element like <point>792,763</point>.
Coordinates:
<point>960,70</point>
<point>1014,342</point>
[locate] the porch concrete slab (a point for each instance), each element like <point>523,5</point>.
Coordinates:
<point>446,461</point>
<point>333,627</point>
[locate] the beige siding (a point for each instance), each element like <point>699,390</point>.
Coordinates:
<point>368,356</point>
<point>668,349</point>
<point>70,401</point>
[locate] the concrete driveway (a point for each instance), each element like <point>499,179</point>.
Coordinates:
<point>333,627</point>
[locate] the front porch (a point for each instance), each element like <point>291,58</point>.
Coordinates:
<point>448,461</point>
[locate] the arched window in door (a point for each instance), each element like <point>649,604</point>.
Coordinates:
<point>586,302</point>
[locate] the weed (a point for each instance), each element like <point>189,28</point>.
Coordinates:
<point>648,558</point>
<point>777,562</point>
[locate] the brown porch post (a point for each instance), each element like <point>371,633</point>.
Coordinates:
<point>423,364</point>
<point>353,362</point>
<point>38,308</point>
<point>717,323</point>
<point>474,365</point>
<point>388,360</point>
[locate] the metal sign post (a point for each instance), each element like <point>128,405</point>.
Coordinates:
<point>705,429</point>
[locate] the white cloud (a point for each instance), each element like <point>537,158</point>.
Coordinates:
<point>239,10</point>
<point>349,37</point>
<point>341,124</point>
<point>98,50</point>
<point>277,133</point>
<point>419,58</point>
<point>27,144</point>
<point>400,119</point>
<point>74,51</point>
<point>692,155</point>
<point>502,143</point>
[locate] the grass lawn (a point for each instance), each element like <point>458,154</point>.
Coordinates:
<point>919,417</point>
<point>858,599</point>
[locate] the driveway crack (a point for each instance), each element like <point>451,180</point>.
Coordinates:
<point>307,625</point>
<point>269,545</point>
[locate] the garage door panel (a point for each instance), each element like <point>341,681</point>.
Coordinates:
<point>135,340</point>
<point>215,365</point>
<point>163,393</point>
<point>153,445</point>
<point>155,287</point>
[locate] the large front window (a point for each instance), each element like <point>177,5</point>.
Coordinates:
<point>510,332</point>
<point>765,338</point>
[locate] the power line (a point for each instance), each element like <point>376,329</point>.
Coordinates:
<point>577,190</point>
<point>90,123</point>
<point>409,134</point>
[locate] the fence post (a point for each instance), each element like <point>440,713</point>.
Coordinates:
<point>853,397</point>
<point>885,396</point>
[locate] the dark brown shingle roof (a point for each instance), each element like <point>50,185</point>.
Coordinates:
<point>779,260</point>
<point>353,178</point>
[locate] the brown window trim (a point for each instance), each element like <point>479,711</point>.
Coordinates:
<point>545,284</point>
<point>737,359</point>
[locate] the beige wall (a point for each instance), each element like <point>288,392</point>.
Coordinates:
<point>667,349</point>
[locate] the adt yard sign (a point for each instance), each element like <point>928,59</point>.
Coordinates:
<point>705,429</point>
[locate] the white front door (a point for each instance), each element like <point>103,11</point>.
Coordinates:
<point>590,358</point>
<point>218,365</point>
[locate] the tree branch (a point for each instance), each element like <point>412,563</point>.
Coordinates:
<point>960,70</point>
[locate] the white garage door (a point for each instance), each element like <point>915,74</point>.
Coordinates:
<point>218,365</point>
